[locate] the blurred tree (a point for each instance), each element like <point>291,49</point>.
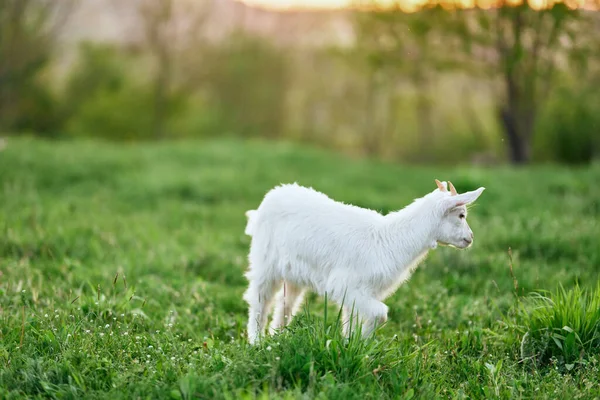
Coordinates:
<point>521,48</point>
<point>247,84</point>
<point>170,28</point>
<point>513,47</point>
<point>409,48</point>
<point>28,32</point>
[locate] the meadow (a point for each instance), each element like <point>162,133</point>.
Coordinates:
<point>121,276</point>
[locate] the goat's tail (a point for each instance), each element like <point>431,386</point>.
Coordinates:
<point>251,214</point>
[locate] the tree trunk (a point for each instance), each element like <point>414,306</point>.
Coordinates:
<point>518,118</point>
<point>519,146</point>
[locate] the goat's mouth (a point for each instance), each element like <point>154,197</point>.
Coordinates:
<point>463,244</point>
<point>467,243</point>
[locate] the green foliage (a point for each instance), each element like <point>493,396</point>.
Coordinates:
<point>27,37</point>
<point>563,326</point>
<point>35,109</point>
<point>99,68</point>
<point>123,277</point>
<point>102,99</point>
<point>109,94</point>
<point>516,50</point>
<point>247,82</point>
<point>568,129</point>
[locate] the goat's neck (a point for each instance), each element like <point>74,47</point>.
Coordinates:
<point>410,233</point>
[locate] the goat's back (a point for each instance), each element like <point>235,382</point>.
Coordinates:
<point>295,223</point>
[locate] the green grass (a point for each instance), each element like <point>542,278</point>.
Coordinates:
<point>121,276</point>
<point>562,327</point>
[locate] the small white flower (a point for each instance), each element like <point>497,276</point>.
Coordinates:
<point>46,315</point>
<point>147,355</point>
<point>172,358</point>
<point>68,335</point>
<point>101,334</point>
<point>125,333</point>
<point>23,291</point>
<point>277,358</point>
<point>189,340</point>
<point>367,356</point>
<point>150,346</point>
<point>269,348</point>
<point>87,331</point>
<point>56,316</point>
<point>122,315</point>
<point>106,326</point>
<point>137,338</point>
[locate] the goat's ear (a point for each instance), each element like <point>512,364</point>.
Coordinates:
<point>464,199</point>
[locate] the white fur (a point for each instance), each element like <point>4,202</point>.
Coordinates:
<point>302,239</point>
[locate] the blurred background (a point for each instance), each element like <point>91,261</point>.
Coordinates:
<point>482,82</point>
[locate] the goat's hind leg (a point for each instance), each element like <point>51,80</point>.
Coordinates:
<point>259,297</point>
<point>287,301</point>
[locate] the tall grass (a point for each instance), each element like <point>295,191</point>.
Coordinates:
<point>561,326</point>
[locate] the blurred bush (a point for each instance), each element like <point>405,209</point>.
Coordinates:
<point>246,85</point>
<point>27,39</point>
<point>109,94</point>
<point>569,130</point>
<point>102,100</point>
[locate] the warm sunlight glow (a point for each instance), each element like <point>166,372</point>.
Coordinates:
<point>405,5</point>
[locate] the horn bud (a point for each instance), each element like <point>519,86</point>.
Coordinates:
<point>452,189</point>
<point>440,186</point>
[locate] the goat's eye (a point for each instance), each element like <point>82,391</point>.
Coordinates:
<point>461,216</point>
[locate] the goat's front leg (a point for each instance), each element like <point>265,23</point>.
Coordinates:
<point>368,310</point>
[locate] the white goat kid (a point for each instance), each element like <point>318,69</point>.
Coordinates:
<point>302,239</point>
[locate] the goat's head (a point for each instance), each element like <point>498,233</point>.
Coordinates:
<point>451,209</point>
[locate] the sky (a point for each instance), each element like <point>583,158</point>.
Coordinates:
<point>406,4</point>
<point>315,4</point>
